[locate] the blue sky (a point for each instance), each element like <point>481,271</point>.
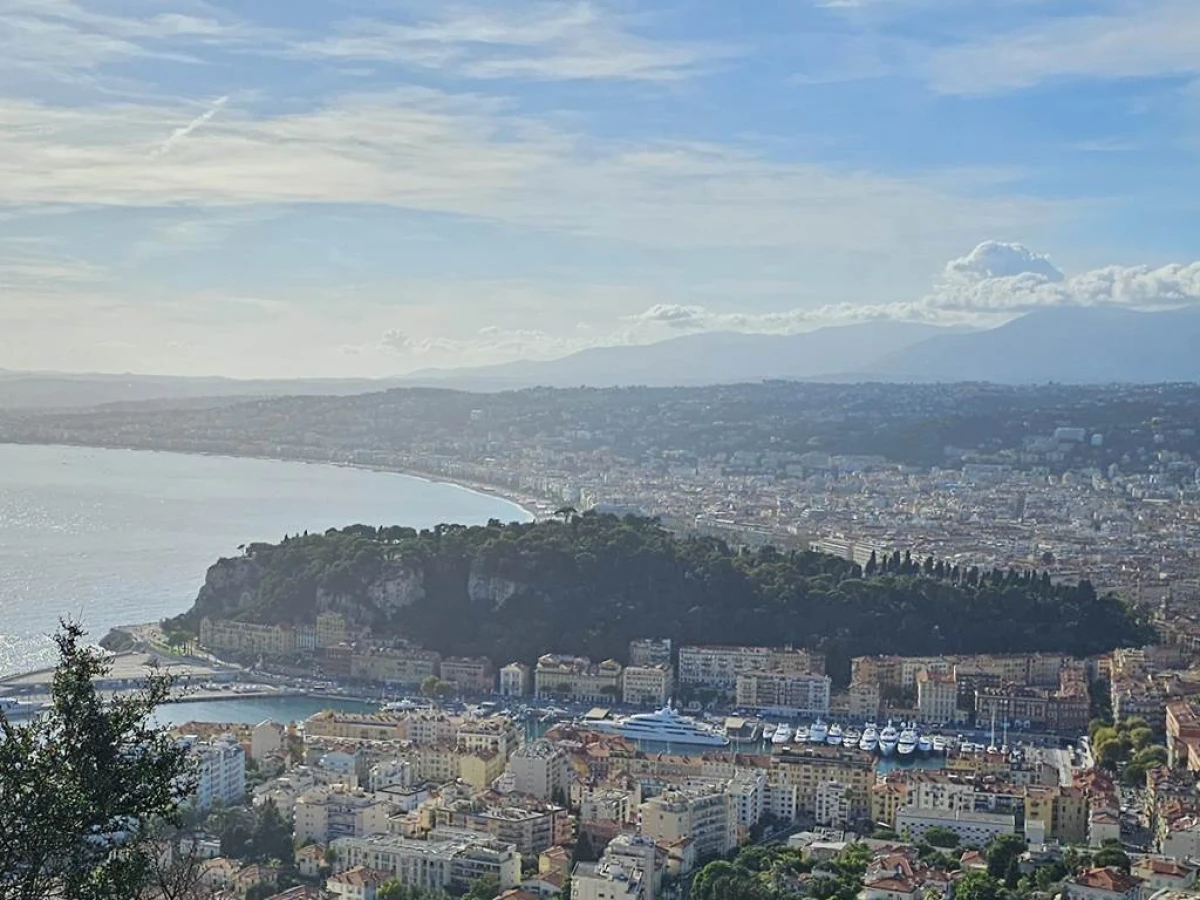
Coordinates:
<point>366,187</point>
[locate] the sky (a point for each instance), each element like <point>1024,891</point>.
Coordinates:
<point>371,187</point>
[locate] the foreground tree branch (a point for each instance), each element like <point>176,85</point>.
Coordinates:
<point>86,786</point>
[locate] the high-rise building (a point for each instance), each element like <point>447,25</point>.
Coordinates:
<point>220,772</point>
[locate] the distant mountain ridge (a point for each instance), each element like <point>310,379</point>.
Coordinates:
<point>1075,345</point>
<point>714,357</point>
<point>1070,345</point>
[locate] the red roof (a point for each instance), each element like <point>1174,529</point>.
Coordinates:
<point>1107,879</point>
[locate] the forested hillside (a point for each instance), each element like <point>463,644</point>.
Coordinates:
<point>590,583</point>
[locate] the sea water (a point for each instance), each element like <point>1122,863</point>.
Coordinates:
<point>112,537</point>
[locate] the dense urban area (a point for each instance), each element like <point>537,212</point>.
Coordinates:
<point>884,642</point>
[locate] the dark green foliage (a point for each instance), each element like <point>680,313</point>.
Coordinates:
<point>1111,854</point>
<point>1001,852</point>
<point>589,586</point>
<point>978,886</point>
<point>254,835</point>
<point>768,872</point>
<point>272,839</point>
<point>83,787</point>
<point>941,837</point>
<point>394,890</point>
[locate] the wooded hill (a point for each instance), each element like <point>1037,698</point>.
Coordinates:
<point>587,584</point>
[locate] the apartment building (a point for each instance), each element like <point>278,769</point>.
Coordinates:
<point>470,675</point>
<point>327,813</point>
<point>717,667</point>
<point>1064,711</point>
<point>1182,718</point>
<point>516,680</point>
<point>649,685</point>
<point>973,829</point>
<point>748,793</point>
<point>650,652</point>
<point>266,739</point>
<point>937,696</point>
<point>541,769</point>
<point>605,811</point>
<point>783,692</point>
<point>407,666</point>
<point>832,805</point>
<point>863,700</point>
<point>356,726</point>
<point>422,727</point>
<point>1063,810</point>
<point>900,672</point>
<point>220,772</point>
<point>331,629</point>
<point>704,815</point>
<point>638,852</point>
<point>577,678</point>
<point>496,733</point>
<point>530,828</point>
<point>247,638</point>
<point>446,860</point>
<point>806,769</point>
<point>606,880</point>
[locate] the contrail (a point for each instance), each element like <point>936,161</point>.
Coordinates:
<point>183,131</point>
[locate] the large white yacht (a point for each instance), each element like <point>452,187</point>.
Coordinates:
<point>664,727</point>
<point>783,734</point>
<point>888,738</point>
<point>852,738</point>
<point>870,738</point>
<point>834,737</point>
<point>906,745</point>
<point>818,732</point>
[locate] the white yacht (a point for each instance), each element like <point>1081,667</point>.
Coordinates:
<point>834,737</point>
<point>768,731</point>
<point>852,738</point>
<point>664,727</point>
<point>907,743</point>
<point>818,732</point>
<point>888,739</point>
<point>783,734</point>
<point>924,745</point>
<point>801,735</point>
<point>870,738</point>
<point>939,744</point>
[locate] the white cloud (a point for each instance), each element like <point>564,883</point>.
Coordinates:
<point>995,281</point>
<point>996,259</point>
<point>539,42</point>
<point>464,155</point>
<point>1146,38</point>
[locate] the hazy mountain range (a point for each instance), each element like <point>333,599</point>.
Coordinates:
<point>1064,344</point>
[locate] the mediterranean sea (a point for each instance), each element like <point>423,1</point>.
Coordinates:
<point>115,537</point>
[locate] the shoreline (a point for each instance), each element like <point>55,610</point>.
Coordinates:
<point>535,507</point>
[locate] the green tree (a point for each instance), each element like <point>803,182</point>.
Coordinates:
<point>84,785</point>
<point>390,890</point>
<point>1112,855</point>
<point>272,837</point>
<point>978,886</point>
<point>1003,850</point>
<point>483,888</point>
<point>942,837</point>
